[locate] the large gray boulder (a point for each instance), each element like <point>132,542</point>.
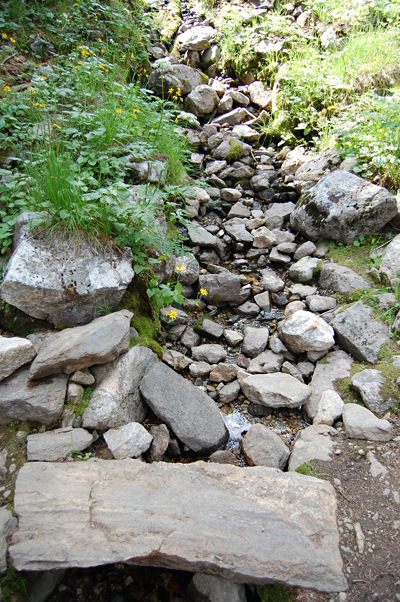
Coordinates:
<point>179,516</point>
<point>196,38</point>
<point>275,390</point>
<point>8,523</point>
<point>359,334</point>
<point>201,101</point>
<point>262,447</point>
<point>312,443</point>
<point>333,368</point>
<point>65,284</point>
<point>128,441</point>
<point>50,446</point>
<point>222,288</point>
<point>341,279</point>
<point>342,206</point>
<point>360,423</point>
<point>390,266</point>
<point>189,412</point>
<point>369,383</point>
<point>175,76</point>
<point>14,353</point>
<point>99,342</point>
<point>39,401</point>
<point>304,331</point>
<point>116,400</point>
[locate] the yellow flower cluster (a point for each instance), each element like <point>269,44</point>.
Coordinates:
<point>40,104</point>
<point>171,314</point>
<point>203,292</point>
<point>7,89</point>
<point>102,67</point>
<point>177,95</point>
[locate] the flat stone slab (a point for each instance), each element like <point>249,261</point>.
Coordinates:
<point>50,446</point>
<point>249,525</point>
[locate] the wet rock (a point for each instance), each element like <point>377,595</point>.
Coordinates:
<point>223,373</point>
<point>255,340</point>
<point>342,206</point>
<point>196,38</point>
<point>304,331</point>
<point>72,349</point>
<point>83,377</point>
<point>369,383</point>
<point>176,360</point>
<point>304,250</point>
<point>319,304</point>
<point>266,363</point>
<point>262,447</point>
<point>270,281</point>
<point>14,353</point>
<point>91,533</point>
<point>334,367</point>
<point>312,443</point>
<point>174,76</point>
<point>50,446</point>
<point>390,265</point>
<point>236,228</point>
<point>341,279</point>
<point>201,101</point>
<point>330,408</point>
<point>8,523</point>
<point>223,456</point>
<point>222,288</point>
<point>45,280</point>
<point>211,329</point>
<point>360,423</point>
<point>116,399</point>
<point>358,334</point>
<point>213,354</point>
<point>128,441</point>
<point>304,269</point>
<point>38,401</point>
<point>233,337</point>
<point>190,413</point>
<point>275,390</point>
<point>229,392</point>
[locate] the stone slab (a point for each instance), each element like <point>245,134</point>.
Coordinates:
<point>249,525</point>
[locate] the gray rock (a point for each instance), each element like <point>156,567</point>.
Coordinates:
<point>293,160</point>
<point>369,383</point>
<point>191,272</point>
<point>313,443</point>
<point>341,279</point>
<point>209,353</point>
<point>236,228</point>
<point>304,269</point>
<point>390,265</point>
<point>288,368</point>
<point>222,288</point>
<point>266,363</point>
<point>306,368</point>
<point>277,257</point>
<point>75,393</point>
<point>229,392</point>
<point>99,342</point>
<point>248,309</point>
<point>196,38</point>
<point>201,101</point>
<point>8,523</point>
<point>263,238</point>
<point>233,337</point>
<point>14,353</point>
<point>223,456</point>
<point>277,213</point>
<point>263,300</point>
<point>335,367</point>
<point>358,334</point>
<point>246,133</point>
<point>116,400</point>
<point>197,369</point>
<point>190,413</point>
<point>330,408</point>
<point>233,117</point>
<point>231,195</point>
<point>260,96</point>
<point>275,390</point>
<point>207,588</point>
<point>304,331</point>
<point>211,329</point>
<point>360,423</point>
<point>53,445</point>
<point>181,316</point>
<point>262,180</point>
<point>223,372</point>
<point>271,282</point>
<point>199,236</point>
<point>176,360</point>
<point>239,210</point>
<point>47,281</point>
<point>146,530</point>
<point>159,444</point>
<point>190,338</point>
<point>304,250</point>
<point>39,401</point>
<point>319,304</point>
<point>174,76</point>
<point>255,340</point>
<point>128,441</point>
<point>342,206</point>
<point>294,306</point>
<point>303,290</point>
<point>262,447</point>
<point>83,377</point>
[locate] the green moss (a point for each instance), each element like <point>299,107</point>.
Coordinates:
<point>197,326</point>
<point>81,407</point>
<point>277,593</point>
<point>13,585</point>
<point>169,19</point>
<point>16,322</point>
<point>150,343</point>
<point>145,326</point>
<point>309,469</point>
<point>235,151</point>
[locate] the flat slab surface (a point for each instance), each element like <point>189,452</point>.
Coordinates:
<point>250,525</point>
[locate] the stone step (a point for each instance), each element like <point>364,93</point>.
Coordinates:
<point>249,525</point>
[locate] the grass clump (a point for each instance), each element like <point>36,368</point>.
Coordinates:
<point>309,469</point>
<point>277,593</point>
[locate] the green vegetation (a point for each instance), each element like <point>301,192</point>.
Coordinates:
<point>79,408</point>
<point>309,469</point>
<point>148,331</point>
<point>13,585</point>
<point>277,593</point>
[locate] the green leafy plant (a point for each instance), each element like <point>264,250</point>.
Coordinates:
<point>78,455</point>
<point>309,469</point>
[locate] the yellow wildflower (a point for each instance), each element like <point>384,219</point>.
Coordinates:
<point>42,77</point>
<point>102,50</point>
<point>170,91</point>
<point>172,314</point>
<point>203,291</point>
<point>178,91</point>
<point>181,268</point>
<point>102,67</point>
<point>56,126</point>
<point>99,40</point>
<point>176,120</point>
<point>7,89</point>
<point>123,56</point>
<point>12,40</point>
<point>119,111</point>
<point>132,57</point>
<point>4,35</point>
<point>32,90</point>
<point>174,98</point>
<point>76,66</point>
